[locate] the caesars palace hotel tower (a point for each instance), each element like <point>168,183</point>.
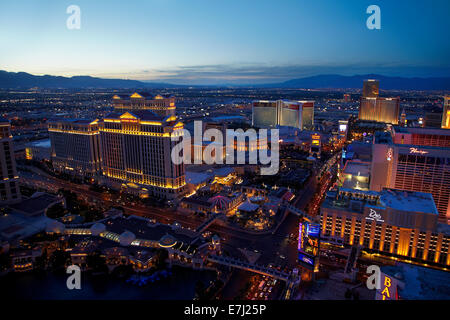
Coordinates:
<point>136,146</point>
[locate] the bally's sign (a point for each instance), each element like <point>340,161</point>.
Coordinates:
<point>373,215</point>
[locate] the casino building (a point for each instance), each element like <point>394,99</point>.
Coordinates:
<point>414,159</point>
<point>374,108</point>
<point>136,151</point>
<point>163,106</point>
<point>391,222</point>
<point>446,113</point>
<point>75,146</point>
<point>379,109</point>
<point>298,114</point>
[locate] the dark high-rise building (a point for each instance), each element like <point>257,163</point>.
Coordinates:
<point>433,119</point>
<point>9,180</point>
<point>371,88</point>
<point>75,146</point>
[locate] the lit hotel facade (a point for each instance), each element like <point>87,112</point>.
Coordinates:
<point>414,159</point>
<point>379,109</point>
<point>75,146</point>
<point>9,180</point>
<point>136,152</point>
<point>401,224</point>
<point>446,113</point>
<point>297,114</point>
<point>162,106</point>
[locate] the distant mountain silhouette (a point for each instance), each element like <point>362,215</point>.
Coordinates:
<point>387,83</point>
<point>14,80</point>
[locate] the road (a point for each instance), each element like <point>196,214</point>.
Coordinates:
<point>278,248</point>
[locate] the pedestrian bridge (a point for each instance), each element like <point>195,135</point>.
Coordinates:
<point>208,222</point>
<point>252,267</point>
<point>296,211</point>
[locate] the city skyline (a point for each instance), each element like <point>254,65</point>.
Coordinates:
<point>224,154</point>
<point>209,43</point>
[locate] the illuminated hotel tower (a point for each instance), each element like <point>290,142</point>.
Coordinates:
<point>9,185</point>
<point>136,151</point>
<point>414,159</point>
<point>75,146</point>
<point>446,113</point>
<point>374,108</point>
<point>142,101</point>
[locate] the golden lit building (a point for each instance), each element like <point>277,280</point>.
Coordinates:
<point>379,109</point>
<point>374,108</point>
<point>75,146</point>
<point>136,151</point>
<point>396,223</point>
<point>446,113</point>
<point>414,159</point>
<point>163,106</point>
<point>9,180</point>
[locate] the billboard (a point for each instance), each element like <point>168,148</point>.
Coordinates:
<point>308,244</point>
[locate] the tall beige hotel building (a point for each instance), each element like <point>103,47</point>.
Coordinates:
<point>130,149</point>
<point>136,146</point>
<point>9,180</point>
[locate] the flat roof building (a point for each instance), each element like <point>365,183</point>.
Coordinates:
<point>355,175</point>
<point>389,222</point>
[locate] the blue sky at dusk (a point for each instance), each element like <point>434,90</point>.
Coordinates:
<point>233,41</point>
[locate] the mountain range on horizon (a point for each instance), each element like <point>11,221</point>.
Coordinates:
<point>23,80</point>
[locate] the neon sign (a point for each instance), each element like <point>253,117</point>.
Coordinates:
<point>388,290</point>
<point>373,215</point>
<point>417,151</point>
